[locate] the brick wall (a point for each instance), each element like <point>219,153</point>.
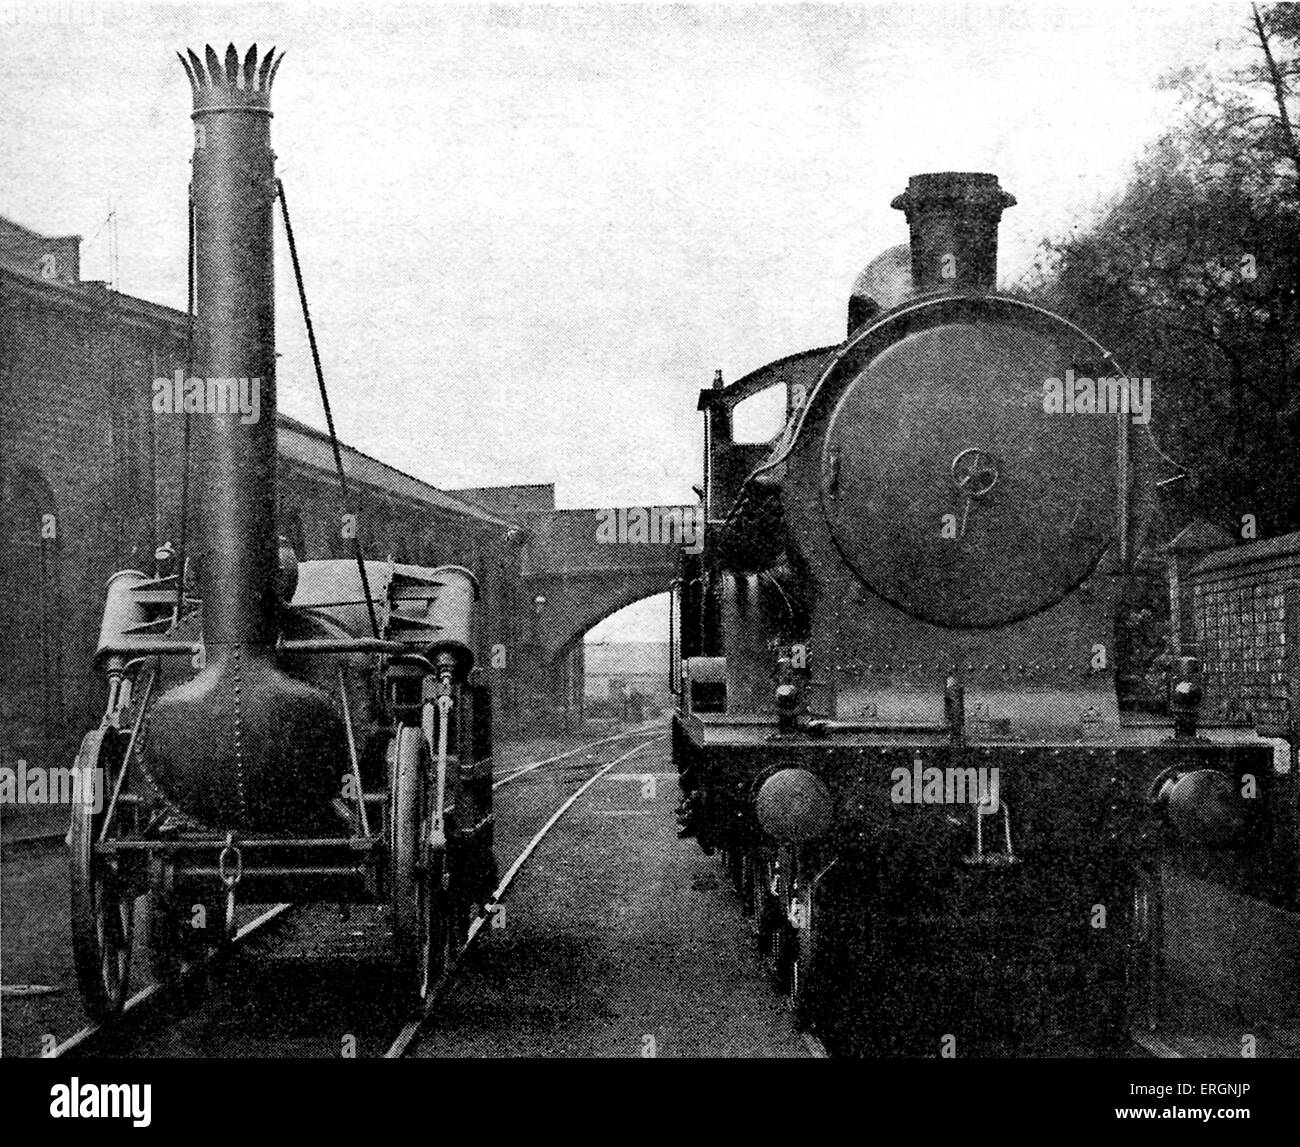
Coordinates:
<point>83,464</point>
<point>1244,615</point>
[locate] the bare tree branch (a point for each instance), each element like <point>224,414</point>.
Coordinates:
<point>1289,140</point>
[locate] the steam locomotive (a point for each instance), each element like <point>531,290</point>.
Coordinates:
<point>294,732</point>
<point>898,717</point>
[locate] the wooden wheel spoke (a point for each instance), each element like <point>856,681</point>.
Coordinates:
<point>102,907</point>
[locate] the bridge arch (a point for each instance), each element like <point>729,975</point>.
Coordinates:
<point>582,566</point>
<point>579,608</point>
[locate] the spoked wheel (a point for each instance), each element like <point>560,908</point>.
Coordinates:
<point>420,915</point>
<point>103,898</point>
<point>462,903</point>
<point>438,924</point>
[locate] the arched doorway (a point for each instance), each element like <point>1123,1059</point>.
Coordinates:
<point>33,718</point>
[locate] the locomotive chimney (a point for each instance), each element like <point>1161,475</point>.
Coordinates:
<point>953,217</point>
<point>233,190</point>
<point>242,745</point>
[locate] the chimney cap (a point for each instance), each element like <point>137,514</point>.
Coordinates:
<point>231,84</point>
<point>966,188</point>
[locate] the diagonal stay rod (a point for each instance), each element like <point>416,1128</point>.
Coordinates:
<point>325,402</point>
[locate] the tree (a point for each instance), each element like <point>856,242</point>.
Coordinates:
<point>1192,277</point>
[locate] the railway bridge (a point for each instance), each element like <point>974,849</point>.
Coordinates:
<point>580,566</point>
<point>575,568</point>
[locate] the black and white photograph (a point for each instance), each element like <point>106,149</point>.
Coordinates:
<point>710,531</point>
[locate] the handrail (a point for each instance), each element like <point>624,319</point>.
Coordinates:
<point>166,647</point>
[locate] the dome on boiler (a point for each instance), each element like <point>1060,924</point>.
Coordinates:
<point>884,283</point>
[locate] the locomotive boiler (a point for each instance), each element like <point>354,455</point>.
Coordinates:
<point>294,731</point>
<point>898,715</point>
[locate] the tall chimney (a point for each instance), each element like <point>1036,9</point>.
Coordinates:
<point>243,745</point>
<point>953,217</point>
<point>234,191</point>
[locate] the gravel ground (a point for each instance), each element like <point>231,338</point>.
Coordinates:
<point>619,940</point>
<point>35,949</point>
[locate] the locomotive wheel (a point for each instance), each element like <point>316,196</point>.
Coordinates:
<point>781,951</point>
<point>745,886</point>
<point>103,899</point>
<point>734,859</point>
<point>1125,974</point>
<point>808,970</point>
<point>178,950</point>
<point>460,915</point>
<point>762,916</point>
<point>780,956</point>
<point>420,915</point>
<point>438,924</point>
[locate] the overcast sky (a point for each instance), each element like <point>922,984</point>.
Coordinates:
<point>531,233</point>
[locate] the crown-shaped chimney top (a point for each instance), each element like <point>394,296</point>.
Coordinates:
<point>227,85</point>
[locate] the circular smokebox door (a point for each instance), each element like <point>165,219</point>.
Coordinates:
<point>947,487</point>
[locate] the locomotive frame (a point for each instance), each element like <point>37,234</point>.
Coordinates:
<point>419,826</point>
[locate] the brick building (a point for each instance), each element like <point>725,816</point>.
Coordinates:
<point>1243,610</point>
<point>90,483</point>
<point>620,670</point>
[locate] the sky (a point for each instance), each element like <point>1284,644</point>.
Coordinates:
<point>531,233</point>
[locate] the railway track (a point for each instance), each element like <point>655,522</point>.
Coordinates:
<point>155,1023</point>
<point>407,1037</point>
<point>83,1038</point>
